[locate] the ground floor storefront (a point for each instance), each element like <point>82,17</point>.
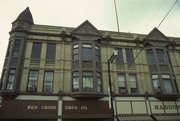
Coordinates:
<point>146,109</point>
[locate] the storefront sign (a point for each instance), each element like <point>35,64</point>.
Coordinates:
<point>131,107</point>
<point>86,107</point>
<point>164,106</point>
<point>29,107</point>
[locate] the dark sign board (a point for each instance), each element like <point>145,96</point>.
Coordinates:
<point>30,107</point>
<point>86,107</point>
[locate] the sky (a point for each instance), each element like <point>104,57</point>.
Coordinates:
<point>134,16</point>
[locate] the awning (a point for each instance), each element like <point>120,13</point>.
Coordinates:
<point>135,118</point>
<point>167,118</point>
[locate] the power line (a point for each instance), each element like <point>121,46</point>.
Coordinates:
<point>116,15</point>
<point>167,13</point>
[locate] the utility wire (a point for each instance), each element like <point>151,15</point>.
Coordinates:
<point>167,13</point>
<point>149,22</point>
<point>116,15</point>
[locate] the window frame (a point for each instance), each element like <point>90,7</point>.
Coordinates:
<point>48,81</point>
<point>51,51</point>
<point>12,73</point>
<point>30,80</point>
<point>36,50</point>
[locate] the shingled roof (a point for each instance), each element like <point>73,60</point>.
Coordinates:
<point>25,16</point>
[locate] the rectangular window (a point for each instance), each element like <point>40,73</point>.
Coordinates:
<point>150,56</point>
<point>76,52</point>
<point>129,56</point>
<point>97,49</point>
<point>87,81</point>
<point>36,50</point>
<point>11,78</point>
<point>87,51</point>
<point>133,83</point>
<point>75,82</point>
<point>167,83</point>
<point>98,81</point>
<point>156,83</point>
<point>32,81</point>
<point>122,83</point>
<point>16,48</point>
<point>48,81</point>
<point>51,51</point>
<point>161,56</point>
<point>119,57</point>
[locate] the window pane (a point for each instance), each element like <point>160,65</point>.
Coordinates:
<point>75,46</point>
<point>154,76</point>
<point>76,73</point>
<point>75,57</point>
<point>36,50</point>
<point>11,78</point>
<point>87,53</point>
<point>51,51</point>
<point>156,84</point>
<point>48,81</point>
<point>161,56</point>
<point>87,84</point>
<point>119,57</point>
<point>166,76</point>
<point>129,55</point>
<point>75,83</point>
<point>121,80</point>
<point>76,51</point>
<point>168,86</point>
<point>150,56</point>
<point>32,82</point>
<point>132,80</point>
<point>49,76</point>
<point>16,47</point>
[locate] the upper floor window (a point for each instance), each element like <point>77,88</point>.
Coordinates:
<point>48,81</point>
<point>167,83</point>
<point>16,47</point>
<point>75,52</point>
<point>86,67</point>
<point>156,82</point>
<point>11,79</point>
<point>161,56</point>
<point>51,51</point>
<point>119,57</point>
<point>133,83</point>
<point>150,56</point>
<point>98,81</point>
<point>36,50</point>
<point>87,81</point>
<point>87,51</point>
<point>97,49</point>
<point>32,81</point>
<point>122,83</point>
<point>75,79</point>
<point>129,56</point>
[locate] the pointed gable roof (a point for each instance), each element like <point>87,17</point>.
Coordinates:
<point>25,16</point>
<point>155,34</point>
<point>86,28</point>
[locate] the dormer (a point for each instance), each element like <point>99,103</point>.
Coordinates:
<point>86,31</point>
<point>156,38</point>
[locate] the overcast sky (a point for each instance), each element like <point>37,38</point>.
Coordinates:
<point>135,16</point>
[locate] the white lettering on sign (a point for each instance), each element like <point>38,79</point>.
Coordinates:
<point>48,107</point>
<point>32,107</point>
<point>43,107</point>
<point>74,107</point>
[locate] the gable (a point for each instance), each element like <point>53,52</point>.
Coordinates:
<point>86,28</point>
<point>155,34</point>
